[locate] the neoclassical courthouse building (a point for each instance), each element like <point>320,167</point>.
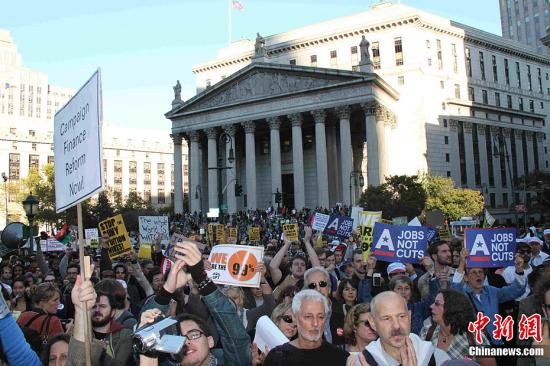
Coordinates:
<point>393,90</point>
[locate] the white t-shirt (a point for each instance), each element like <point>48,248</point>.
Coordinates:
<point>510,276</point>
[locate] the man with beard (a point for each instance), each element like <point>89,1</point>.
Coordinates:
<point>116,339</point>
<point>310,310</point>
<point>441,255</point>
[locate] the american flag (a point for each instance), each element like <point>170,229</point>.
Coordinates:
<point>237,5</point>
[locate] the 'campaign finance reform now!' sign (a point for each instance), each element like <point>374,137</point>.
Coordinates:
<point>405,244</point>
<point>78,158</point>
<point>490,247</point>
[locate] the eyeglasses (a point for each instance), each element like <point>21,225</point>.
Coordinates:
<point>194,334</point>
<point>313,285</point>
<point>287,319</point>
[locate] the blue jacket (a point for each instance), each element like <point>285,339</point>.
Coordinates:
<point>421,310</point>
<point>16,348</point>
<point>489,299</point>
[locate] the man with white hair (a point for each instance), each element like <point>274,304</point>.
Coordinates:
<point>537,256</point>
<point>309,310</point>
<point>396,345</point>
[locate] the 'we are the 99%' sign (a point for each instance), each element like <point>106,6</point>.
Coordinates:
<point>235,265</point>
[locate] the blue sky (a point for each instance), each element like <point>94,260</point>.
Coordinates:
<point>144,46</point>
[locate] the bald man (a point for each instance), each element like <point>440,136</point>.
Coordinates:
<point>396,345</point>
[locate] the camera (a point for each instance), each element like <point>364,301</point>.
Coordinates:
<point>160,337</point>
<point>376,280</point>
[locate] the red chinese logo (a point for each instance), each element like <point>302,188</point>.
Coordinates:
<point>503,328</point>
<point>478,326</point>
<point>530,326</point>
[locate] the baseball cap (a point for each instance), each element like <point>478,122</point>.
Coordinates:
<point>531,239</point>
<point>396,267</point>
<point>546,232</point>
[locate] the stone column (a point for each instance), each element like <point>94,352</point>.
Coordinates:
<point>495,131</point>
<point>231,173</point>
<point>321,157</point>
<point>298,161</point>
<point>381,123</point>
<point>346,153</point>
<point>373,177</point>
<point>483,163</point>
<point>507,133</point>
<point>518,141</point>
<point>194,171</point>
<point>249,128</point>
<point>178,174</point>
<point>359,144</point>
<point>275,150</point>
<point>539,136</point>
<point>455,153</point>
<point>529,136</point>
<point>469,155</point>
<point>211,134</point>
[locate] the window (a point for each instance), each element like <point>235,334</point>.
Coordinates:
<point>455,58</point>
<point>292,61</point>
<point>518,74</point>
<point>32,133</point>
<point>447,156</point>
<point>457,91</point>
<point>446,139</point>
<point>398,46</point>
<point>506,71</point>
<point>482,65</point>
<point>439,55</point>
<point>428,44</point>
<point>50,159</point>
<point>471,94</point>
<point>333,59</point>
<point>448,174</point>
<point>445,123</point>
<point>539,77</point>
<point>492,199</point>
<point>509,101</point>
<point>505,199</point>
<point>13,131</point>
<point>161,198</point>
<point>313,60</point>
<point>14,168</point>
<point>442,84</point>
<point>531,106</point>
<point>443,106</point>
<point>520,100</point>
<point>34,162</point>
<point>484,96</point>
<point>495,69</point>
<point>354,56</point>
<point>33,146</point>
<point>376,55</point>
<point>468,61</point>
<point>401,80</point>
<point>497,99</point>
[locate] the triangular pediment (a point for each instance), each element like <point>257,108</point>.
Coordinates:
<point>262,80</point>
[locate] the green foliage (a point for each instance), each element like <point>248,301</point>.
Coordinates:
<point>453,202</point>
<point>538,184</point>
<point>400,195</point>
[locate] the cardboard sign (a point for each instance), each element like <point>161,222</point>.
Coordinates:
<point>52,245</point>
<point>92,237</point>
<point>211,232</point>
<point>319,221</point>
<point>233,232</point>
<point>291,231</point>
<point>406,244</point>
<point>355,215</point>
<point>144,251</point>
<point>119,242</point>
<point>444,234</point>
<point>490,247</point>
<point>150,226</point>
<point>267,334</point>
<point>235,265</point>
<point>335,225</point>
<point>78,162</point>
<point>253,233</point>
<point>220,233</point>
<point>366,230</point>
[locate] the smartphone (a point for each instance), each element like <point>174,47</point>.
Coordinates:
<point>376,280</point>
<point>171,251</point>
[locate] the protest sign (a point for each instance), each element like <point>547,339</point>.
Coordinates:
<point>220,233</point>
<point>144,251</point>
<point>415,222</point>
<point>366,226</point>
<point>78,162</point>
<point>355,215</point>
<point>267,334</point>
<point>400,221</point>
<point>233,232</point>
<point>179,238</point>
<point>406,244</point>
<point>490,247</point>
<point>336,225</point>
<point>211,232</point>
<point>319,221</point>
<point>150,226</point>
<point>291,231</point>
<point>52,245</point>
<point>118,239</point>
<point>235,265</point>
<point>253,233</point>
<point>387,222</point>
<point>444,234</point>
<point>92,237</point>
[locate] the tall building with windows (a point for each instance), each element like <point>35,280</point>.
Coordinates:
<point>526,21</point>
<point>308,108</point>
<point>137,160</point>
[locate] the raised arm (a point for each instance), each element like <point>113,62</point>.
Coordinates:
<point>138,274</point>
<point>275,263</point>
<point>313,258</point>
<point>44,268</point>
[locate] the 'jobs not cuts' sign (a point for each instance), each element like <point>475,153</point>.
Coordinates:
<point>78,158</point>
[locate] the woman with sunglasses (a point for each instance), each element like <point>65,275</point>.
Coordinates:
<point>282,317</point>
<point>357,331</point>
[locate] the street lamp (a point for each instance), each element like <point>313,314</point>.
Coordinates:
<point>497,153</point>
<point>355,175</point>
<point>30,204</point>
<point>223,140</point>
<point>5,178</point>
<point>198,195</point>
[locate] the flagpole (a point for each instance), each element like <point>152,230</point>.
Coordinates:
<point>229,16</point>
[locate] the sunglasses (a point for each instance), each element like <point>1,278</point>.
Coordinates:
<point>364,322</point>
<point>313,285</point>
<point>287,319</point>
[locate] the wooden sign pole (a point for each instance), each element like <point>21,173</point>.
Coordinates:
<point>85,272</point>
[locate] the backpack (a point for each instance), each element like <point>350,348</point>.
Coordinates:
<point>45,323</point>
<point>372,362</point>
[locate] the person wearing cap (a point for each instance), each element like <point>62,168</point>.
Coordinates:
<point>537,256</point>
<point>510,273</point>
<point>546,236</point>
<point>396,269</point>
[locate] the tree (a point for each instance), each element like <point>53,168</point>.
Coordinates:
<point>101,208</point>
<point>400,195</point>
<point>538,182</point>
<point>133,207</point>
<point>453,202</point>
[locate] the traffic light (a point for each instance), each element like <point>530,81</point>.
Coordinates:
<point>238,190</point>
<point>278,197</point>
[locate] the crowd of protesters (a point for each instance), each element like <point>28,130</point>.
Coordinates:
<point>335,307</point>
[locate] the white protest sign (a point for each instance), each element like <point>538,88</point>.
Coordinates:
<point>415,222</point>
<point>52,245</point>
<point>320,221</point>
<point>355,215</point>
<point>268,335</point>
<point>78,155</point>
<point>149,226</point>
<point>92,237</point>
<point>235,265</point>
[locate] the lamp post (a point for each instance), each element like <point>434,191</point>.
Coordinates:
<point>506,155</point>
<point>30,204</point>
<point>5,178</point>
<point>198,195</point>
<point>355,175</point>
<point>223,140</point>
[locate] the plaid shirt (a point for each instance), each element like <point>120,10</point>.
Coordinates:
<point>458,349</point>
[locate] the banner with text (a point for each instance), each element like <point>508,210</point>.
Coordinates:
<point>118,242</point>
<point>406,244</point>
<point>92,237</point>
<point>253,233</point>
<point>366,228</point>
<point>235,265</point>
<point>150,226</point>
<point>52,245</point>
<point>291,231</point>
<point>490,247</point>
<point>78,156</point>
